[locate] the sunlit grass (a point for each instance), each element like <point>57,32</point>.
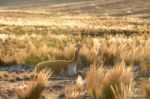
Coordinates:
<point>75,90</point>
<point>106,42</point>
<point>35,87</point>
<point>107,49</point>
<point>116,83</point>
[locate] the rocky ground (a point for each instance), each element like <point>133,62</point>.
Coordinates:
<point>13,77</point>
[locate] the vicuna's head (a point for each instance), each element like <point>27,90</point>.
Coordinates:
<point>78,47</point>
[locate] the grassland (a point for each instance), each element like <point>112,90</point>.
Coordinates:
<point>115,54</point>
<point>123,35</point>
<point>127,8</point>
<point>106,41</point>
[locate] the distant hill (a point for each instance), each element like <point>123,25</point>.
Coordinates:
<point>131,8</point>
<point>27,2</point>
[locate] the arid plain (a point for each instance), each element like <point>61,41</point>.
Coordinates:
<point>114,59</point>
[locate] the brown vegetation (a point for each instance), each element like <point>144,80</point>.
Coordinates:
<point>115,44</point>
<point>146,89</point>
<point>115,83</point>
<point>35,87</point>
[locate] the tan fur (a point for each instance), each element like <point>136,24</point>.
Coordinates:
<point>60,66</point>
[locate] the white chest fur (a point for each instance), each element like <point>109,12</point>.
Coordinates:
<point>71,70</point>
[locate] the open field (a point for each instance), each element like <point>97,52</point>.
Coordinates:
<point>106,41</point>
<point>114,59</point>
<point>127,8</point>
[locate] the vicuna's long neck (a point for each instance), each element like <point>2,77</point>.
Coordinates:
<point>75,57</point>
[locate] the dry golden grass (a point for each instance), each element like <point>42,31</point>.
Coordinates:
<point>35,87</point>
<point>107,51</point>
<point>125,93</point>
<point>20,57</point>
<point>120,39</point>
<point>87,56</point>
<point>74,91</point>
<point>94,81</point>
<point>106,41</point>
<point>100,82</point>
<point>146,89</point>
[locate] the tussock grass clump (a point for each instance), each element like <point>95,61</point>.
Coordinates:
<point>20,57</point>
<point>74,91</point>
<point>102,84</point>
<point>109,54</point>
<point>8,60</point>
<point>35,87</point>
<point>87,56</point>
<point>68,51</point>
<point>131,56</point>
<point>124,93</point>
<point>94,79</point>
